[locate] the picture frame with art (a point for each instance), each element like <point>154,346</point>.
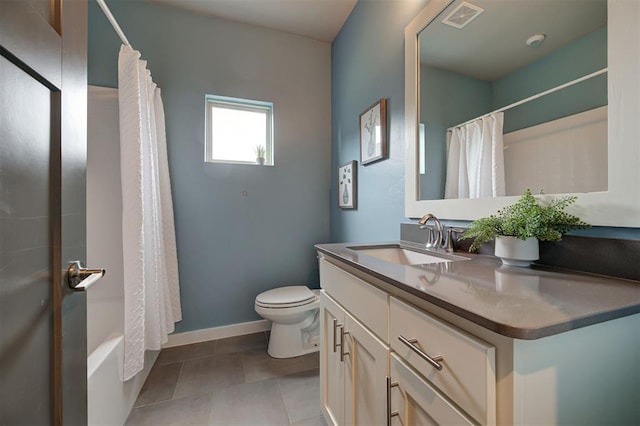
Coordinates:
<point>348,185</point>
<point>373,133</point>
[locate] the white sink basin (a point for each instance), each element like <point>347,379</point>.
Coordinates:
<point>400,255</point>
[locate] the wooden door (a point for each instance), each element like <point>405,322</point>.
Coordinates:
<point>365,376</point>
<point>331,368</point>
<point>43,350</point>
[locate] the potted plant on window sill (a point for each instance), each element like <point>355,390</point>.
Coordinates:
<point>518,228</point>
<point>260,153</point>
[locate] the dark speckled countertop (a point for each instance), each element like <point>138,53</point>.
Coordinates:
<point>523,303</point>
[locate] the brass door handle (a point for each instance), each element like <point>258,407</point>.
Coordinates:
<point>80,278</point>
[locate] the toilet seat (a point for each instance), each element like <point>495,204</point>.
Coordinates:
<point>286,297</point>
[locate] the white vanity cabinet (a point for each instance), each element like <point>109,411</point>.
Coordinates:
<point>443,368</point>
<point>353,369</point>
<point>354,360</point>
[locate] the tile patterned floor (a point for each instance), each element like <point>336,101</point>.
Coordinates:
<point>230,382</point>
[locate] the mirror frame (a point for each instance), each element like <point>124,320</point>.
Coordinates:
<point>620,204</point>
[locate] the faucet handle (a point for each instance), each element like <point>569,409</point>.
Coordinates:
<point>449,242</point>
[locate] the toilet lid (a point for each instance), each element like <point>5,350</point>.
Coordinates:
<point>285,296</point>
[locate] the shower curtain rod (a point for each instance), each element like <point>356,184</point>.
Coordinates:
<point>113,22</point>
<point>539,95</point>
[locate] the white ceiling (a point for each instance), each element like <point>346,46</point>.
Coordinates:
<point>316,19</point>
<point>493,44</point>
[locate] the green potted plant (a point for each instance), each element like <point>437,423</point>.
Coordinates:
<point>260,153</point>
<point>518,227</point>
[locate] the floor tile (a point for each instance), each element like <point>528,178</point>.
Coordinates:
<point>230,382</point>
<point>241,343</point>
<point>313,359</point>
<point>186,411</point>
<point>316,421</point>
<point>186,352</point>
<point>257,403</point>
<point>258,365</point>
<point>160,384</point>
<point>208,374</point>
<point>301,395</point>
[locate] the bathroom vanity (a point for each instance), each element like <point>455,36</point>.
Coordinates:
<point>462,339</point>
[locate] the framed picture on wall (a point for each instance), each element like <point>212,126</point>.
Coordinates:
<point>348,185</point>
<point>373,133</point>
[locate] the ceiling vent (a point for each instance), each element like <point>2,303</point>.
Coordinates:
<point>462,15</point>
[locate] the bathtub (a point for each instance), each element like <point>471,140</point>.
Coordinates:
<point>109,399</point>
<point>105,402</point>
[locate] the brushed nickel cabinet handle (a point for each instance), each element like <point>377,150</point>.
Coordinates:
<point>335,332</point>
<point>342,352</point>
<point>390,414</point>
<point>411,343</point>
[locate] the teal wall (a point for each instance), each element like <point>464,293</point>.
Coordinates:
<point>447,99</point>
<point>231,248</point>
<point>579,58</point>
<point>367,64</point>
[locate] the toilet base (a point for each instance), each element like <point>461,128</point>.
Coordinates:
<point>290,340</point>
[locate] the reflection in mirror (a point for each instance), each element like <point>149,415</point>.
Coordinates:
<point>540,66</point>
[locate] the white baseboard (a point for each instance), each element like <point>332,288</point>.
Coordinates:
<point>215,333</point>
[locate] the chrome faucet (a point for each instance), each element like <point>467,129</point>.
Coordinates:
<point>435,238</point>
<point>440,236</point>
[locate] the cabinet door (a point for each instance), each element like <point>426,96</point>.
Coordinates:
<point>331,368</point>
<point>468,373</point>
<point>366,367</point>
<point>416,402</point>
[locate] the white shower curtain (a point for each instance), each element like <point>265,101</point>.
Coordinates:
<point>475,159</point>
<point>151,289</point>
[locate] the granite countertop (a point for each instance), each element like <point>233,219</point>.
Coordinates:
<point>523,303</point>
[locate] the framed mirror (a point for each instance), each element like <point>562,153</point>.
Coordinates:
<point>555,80</point>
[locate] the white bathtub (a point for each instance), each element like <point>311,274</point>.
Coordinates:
<point>106,405</point>
<point>109,399</point>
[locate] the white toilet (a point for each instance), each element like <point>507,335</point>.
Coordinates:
<point>295,316</point>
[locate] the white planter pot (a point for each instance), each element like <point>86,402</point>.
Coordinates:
<point>515,252</point>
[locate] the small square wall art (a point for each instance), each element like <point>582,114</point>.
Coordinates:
<point>373,133</point>
<point>347,185</point>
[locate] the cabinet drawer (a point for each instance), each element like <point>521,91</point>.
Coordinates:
<point>417,402</point>
<point>468,364</point>
<point>366,302</point>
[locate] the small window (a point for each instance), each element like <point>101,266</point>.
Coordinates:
<point>235,130</point>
